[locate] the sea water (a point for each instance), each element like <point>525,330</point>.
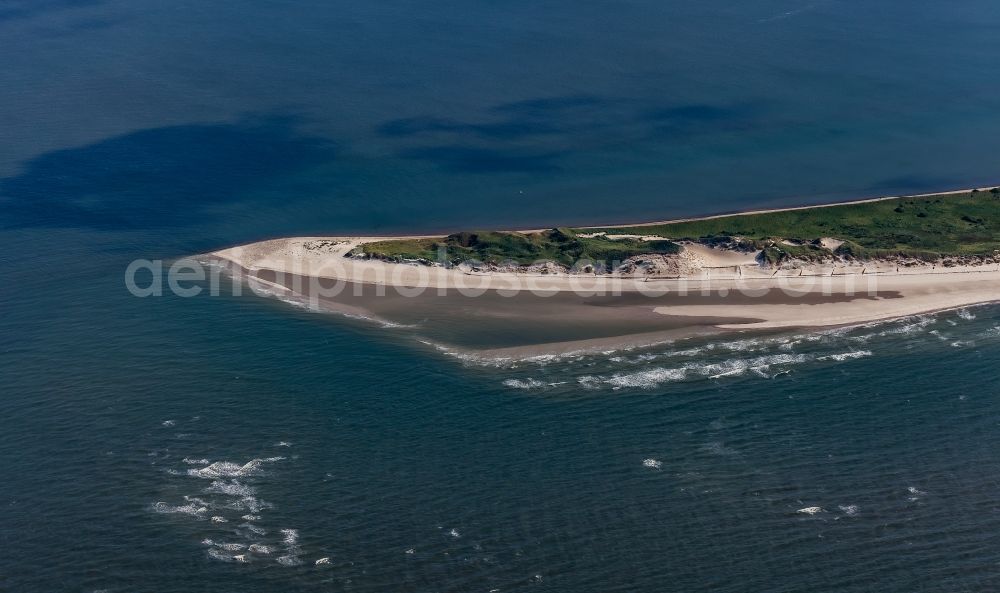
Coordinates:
<point>174,444</point>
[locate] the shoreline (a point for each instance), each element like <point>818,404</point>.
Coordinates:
<point>714,289</point>
<point>680,324</point>
<point>950,192</point>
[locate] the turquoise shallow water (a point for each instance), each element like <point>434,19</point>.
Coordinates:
<point>138,130</point>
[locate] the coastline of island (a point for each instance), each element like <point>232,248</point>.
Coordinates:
<point>743,278</point>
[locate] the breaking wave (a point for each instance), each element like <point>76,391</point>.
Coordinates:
<point>524,383</point>
<point>231,497</point>
<point>647,379</point>
<point>195,510</point>
<point>846,355</point>
<point>773,356</point>
<point>228,469</point>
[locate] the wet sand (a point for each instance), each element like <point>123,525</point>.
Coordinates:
<point>494,324</point>
<point>721,291</point>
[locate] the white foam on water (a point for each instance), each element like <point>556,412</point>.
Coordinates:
<point>197,500</point>
<point>730,373</point>
<point>290,538</point>
<point>962,343</point>
<point>384,323</point>
<point>740,345</point>
<point>644,379</point>
<point>523,383</point>
<point>168,423</point>
<point>966,314</point>
<point>686,352</point>
<point>810,510</point>
<point>322,561</point>
<point>283,444</point>
<point>469,358</point>
<point>231,547</point>
<point>894,327</point>
<point>652,463</point>
<point>650,378</point>
<point>264,288</point>
<point>939,335</point>
<point>850,510</point>
<point>759,365</point>
<point>544,359</point>
<point>651,356</point>
<point>249,504</point>
<point>846,355</point>
<point>454,533</point>
<point>538,359</point>
<point>195,510</point>
<point>253,529</point>
<point>232,488</point>
<point>220,555</point>
<point>228,469</point>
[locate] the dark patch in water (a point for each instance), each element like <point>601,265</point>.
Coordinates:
<point>470,159</point>
<point>556,126</point>
<point>698,118</point>
<point>520,119</point>
<point>412,126</point>
<point>547,106</point>
<point>159,177</point>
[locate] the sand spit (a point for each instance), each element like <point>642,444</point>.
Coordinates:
<point>875,291</point>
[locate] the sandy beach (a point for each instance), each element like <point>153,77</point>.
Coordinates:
<point>717,291</point>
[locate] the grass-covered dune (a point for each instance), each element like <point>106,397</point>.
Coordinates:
<point>926,227</point>
<point>562,246</point>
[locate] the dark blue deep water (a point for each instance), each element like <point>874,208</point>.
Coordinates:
<point>138,129</point>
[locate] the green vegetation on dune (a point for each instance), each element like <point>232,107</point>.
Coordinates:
<point>562,246</point>
<point>926,228</point>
